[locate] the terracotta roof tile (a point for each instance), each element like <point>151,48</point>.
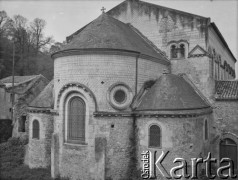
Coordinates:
<point>226,90</point>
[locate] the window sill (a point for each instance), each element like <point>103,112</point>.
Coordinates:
<point>153,147</point>
<point>68,145</point>
<point>177,58</point>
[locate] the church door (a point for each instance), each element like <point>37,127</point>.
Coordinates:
<point>228,149</point>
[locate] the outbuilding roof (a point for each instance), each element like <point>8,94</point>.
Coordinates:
<point>226,90</point>
<point>171,93</point>
<point>45,99</point>
<point>106,32</point>
<point>18,79</point>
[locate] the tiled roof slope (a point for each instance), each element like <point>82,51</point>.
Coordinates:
<point>226,90</point>
<point>171,92</point>
<point>45,99</point>
<point>106,32</point>
<point>17,79</point>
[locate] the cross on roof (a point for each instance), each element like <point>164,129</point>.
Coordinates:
<point>103,9</point>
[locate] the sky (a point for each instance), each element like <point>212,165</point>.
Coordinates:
<point>64,17</point>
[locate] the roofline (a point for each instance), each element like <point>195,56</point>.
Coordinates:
<point>69,52</point>
<point>177,109</point>
<point>165,114</point>
<point>226,99</point>
<point>171,9</point>
<point>215,28</point>
<point>22,82</point>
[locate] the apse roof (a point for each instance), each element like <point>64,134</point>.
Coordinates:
<point>45,99</point>
<point>171,92</point>
<point>106,32</point>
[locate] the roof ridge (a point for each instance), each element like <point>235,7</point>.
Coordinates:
<point>179,11</point>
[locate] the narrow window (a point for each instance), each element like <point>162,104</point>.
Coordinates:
<point>154,136</point>
<point>182,51</point>
<point>36,130</point>
<point>206,130</point>
<point>76,120</point>
<point>228,149</point>
<point>22,124</point>
<point>173,51</point>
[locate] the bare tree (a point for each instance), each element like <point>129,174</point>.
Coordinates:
<point>4,23</point>
<point>39,41</point>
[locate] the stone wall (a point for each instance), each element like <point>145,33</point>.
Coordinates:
<point>39,150</point>
<point>225,123</point>
<point>162,25</point>
<point>104,154</point>
<point>100,72</point>
<point>182,137</point>
<point>222,55</point>
<point>198,70</point>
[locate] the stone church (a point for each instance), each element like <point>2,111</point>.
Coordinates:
<point>139,77</point>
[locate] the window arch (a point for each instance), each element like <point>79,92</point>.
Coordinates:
<point>205,130</point>
<point>76,120</point>
<point>228,149</point>
<point>181,51</point>
<point>173,51</point>
<point>36,130</point>
<point>154,136</point>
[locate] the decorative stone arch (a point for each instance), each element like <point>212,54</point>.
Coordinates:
<point>76,90</point>
<point>234,138</point>
<point>76,87</point>
<point>185,45</point>
<point>174,48</point>
<point>214,53</point>
<point>117,87</point>
<point>225,65</point>
<point>209,51</point>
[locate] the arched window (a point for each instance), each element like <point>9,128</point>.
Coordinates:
<point>182,51</point>
<point>173,51</point>
<point>154,136</point>
<point>228,149</point>
<point>76,120</point>
<point>22,124</point>
<point>205,130</point>
<point>36,130</point>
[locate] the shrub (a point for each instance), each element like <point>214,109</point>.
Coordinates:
<point>5,130</point>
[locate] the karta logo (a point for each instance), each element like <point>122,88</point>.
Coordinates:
<point>150,164</point>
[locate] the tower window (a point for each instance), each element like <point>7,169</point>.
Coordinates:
<point>154,136</point>
<point>182,51</point>
<point>173,51</point>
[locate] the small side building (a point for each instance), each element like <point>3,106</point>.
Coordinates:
<point>26,89</point>
<point>40,129</point>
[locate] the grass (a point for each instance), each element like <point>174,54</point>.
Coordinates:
<point>12,166</point>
